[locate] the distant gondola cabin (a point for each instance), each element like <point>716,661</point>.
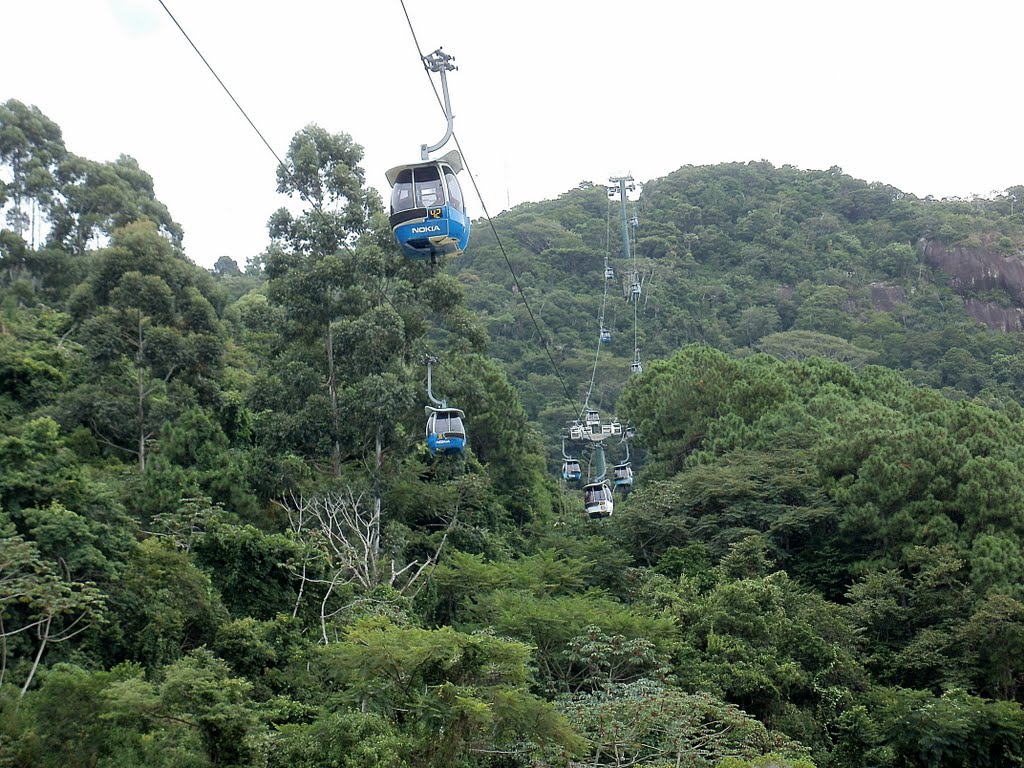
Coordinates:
<point>622,475</point>
<point>445,431</point>
<point>571,470</point>
<point>428,210</point>
<point>597,500</point>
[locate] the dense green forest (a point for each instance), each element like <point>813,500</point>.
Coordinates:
<point>223,542</point>
<point>752,258</point>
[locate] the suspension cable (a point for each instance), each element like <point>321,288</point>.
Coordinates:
<point>317,208</point>
<point>636,346</point>
<point>501,246</point>
<point>604,299</point>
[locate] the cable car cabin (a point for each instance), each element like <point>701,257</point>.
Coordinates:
<point>636,367</point>
<point>597,500</point>
<point>428,211</point>
<point>606,336</point>
<point>609,273</point>
<point>622,475</point>
<point>445,433</point>
<point>571,471</point>
<point>635,290</point>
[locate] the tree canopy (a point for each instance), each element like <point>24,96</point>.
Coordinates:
<point>224,543</point>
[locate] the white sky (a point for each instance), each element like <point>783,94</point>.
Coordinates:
<point>920,94</point>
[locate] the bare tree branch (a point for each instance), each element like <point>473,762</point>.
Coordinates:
<point>346,534</point>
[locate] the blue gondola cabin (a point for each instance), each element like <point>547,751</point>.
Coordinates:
<point>446,434</point>
<point>622,475</point>
<point>571,470</point>
<point>428,211</point>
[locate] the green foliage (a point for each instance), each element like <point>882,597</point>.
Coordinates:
<point>613,660</point>
<point>63,721</point>
<point>872,457</point>
<point>795,263</point>
<point>250,569</point>
<point>819,561</point>
<point>40,605</point>
<point>769,645</point>
<point>38,465</point>
<point>463,577</point>
<point>454,691</point>
<point>801,344</point>
<point>950,730</point>
<point>342,740</point>
<point>151,338</point>
<point>198,701</point>
<point>32,369</point>
<point>650,724</point>
<point>551,623</point>
<point>269,654</point>
<point>31,146</point>
<point>163,607</point>
<point>994,639</point>
<point>773,760</point>
<point>98,198</point>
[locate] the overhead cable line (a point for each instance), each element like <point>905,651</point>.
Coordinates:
<point>604,300</point>
<point>636,304</point>
<point>483,206</point>
<point>222,85</point>
<point>317,208</point>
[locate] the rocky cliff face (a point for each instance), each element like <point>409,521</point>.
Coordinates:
<point>997,318</point>
<point>976,269</point>
<point>885,297</point>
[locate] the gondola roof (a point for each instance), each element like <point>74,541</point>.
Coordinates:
<point>453,158</point>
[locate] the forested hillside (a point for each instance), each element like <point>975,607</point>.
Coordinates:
<point>224,543</point>
<point>749,257</point>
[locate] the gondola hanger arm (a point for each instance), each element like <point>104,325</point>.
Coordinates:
<point>439,61</point>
